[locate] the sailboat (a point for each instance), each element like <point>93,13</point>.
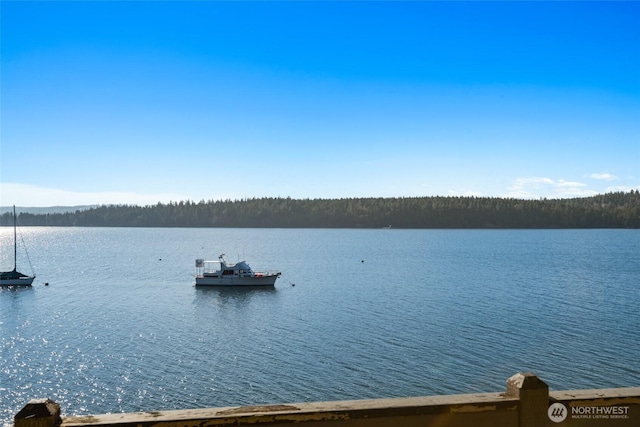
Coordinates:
<point>14,277</point>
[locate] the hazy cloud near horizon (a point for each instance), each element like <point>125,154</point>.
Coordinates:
<point>23,195</point>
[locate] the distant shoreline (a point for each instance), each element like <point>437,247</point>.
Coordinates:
<point>45,210</point>
<point>611,210</point>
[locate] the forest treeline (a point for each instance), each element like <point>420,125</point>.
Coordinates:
<point>611,210</point>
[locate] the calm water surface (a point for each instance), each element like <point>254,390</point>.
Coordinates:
<point>373,313</point>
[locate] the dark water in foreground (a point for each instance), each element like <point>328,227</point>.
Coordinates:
<point>373,313</point>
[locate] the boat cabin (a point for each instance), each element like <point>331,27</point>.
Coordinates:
<point>220,268</point>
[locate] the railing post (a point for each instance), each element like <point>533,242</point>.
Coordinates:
<point>534,399</point>
<point>38,413</point>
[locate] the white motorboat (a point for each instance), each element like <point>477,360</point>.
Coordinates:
<point>220,273</point>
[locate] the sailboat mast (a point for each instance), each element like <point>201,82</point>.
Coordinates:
<point>15,241</point>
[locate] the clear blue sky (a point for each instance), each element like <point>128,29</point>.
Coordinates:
<point>141,102</point>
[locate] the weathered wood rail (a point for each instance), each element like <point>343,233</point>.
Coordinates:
<point>526,402</point>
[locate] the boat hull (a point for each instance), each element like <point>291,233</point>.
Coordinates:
<point>22,281</point>
<point>266,280</point>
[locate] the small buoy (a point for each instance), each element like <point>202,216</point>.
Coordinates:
<point>159,259</point>
<point>293,284</point>
<point>362,261</point>
<point>46,283</point>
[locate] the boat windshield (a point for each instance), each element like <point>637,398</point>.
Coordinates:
<point>212,266</point>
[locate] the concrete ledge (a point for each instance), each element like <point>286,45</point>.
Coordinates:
<point>367,412</point>
<point>526,402</point>
<point>628,393</point>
